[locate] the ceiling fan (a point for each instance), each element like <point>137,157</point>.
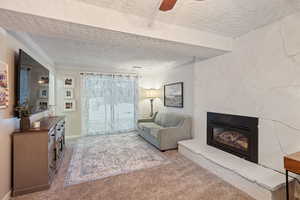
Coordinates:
<point>169,4</point>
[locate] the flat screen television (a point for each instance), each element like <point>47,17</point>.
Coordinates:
<point>32,83</point>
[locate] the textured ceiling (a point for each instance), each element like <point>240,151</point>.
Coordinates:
<point>225,17</point>
<point>85,46</point>
<point>71,45</point>
<point>119,52</point>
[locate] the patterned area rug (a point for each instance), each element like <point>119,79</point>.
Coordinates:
<point>98,157</point>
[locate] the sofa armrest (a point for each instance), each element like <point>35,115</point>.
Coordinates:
<point>169,137</point>
<point>174,133</point>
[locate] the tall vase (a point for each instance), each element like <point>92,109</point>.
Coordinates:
<point>24,123</point>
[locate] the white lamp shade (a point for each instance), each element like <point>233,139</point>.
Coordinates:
<point>152,93</point>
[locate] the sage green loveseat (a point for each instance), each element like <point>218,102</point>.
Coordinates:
<point>165,129</point>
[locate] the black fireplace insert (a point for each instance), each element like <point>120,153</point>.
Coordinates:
<point>234,134</point>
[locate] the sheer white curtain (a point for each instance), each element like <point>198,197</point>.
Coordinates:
<point>109,103</point>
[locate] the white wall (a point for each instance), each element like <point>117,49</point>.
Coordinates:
<point>260,78</point>
<point>183,73</point>
<point>8,47</point>
<point>73,119</point>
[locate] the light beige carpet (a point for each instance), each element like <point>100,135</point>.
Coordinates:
<point>181,179</point>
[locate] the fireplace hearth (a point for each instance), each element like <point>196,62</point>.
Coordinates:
<point>234,134</point>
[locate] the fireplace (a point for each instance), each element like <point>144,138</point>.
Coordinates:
<point>234,134</point>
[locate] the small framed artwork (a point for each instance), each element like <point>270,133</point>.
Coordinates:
<point>42,105</point>
<point>69,93</point>
<point>44,80</point>
<point>69,105</point>
<point>3,85</point>
<point>173,95</point>
<point>43,93</point>
<point>69,82</point>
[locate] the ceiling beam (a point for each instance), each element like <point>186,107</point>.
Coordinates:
<point>81,13</point>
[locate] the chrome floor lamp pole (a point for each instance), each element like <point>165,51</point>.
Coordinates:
<point>152,94</point>
<point>151,103</point>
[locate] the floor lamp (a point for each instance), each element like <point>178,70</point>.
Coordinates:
<point>152,94</point>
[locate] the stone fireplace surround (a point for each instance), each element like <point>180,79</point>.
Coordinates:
<point>260,78</point>
<point>257,180</point>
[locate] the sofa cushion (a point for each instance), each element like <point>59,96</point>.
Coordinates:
<point>169,119</point>
<point>148,125</point>
<point>151,128</point>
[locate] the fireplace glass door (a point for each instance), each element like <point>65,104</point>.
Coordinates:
<point>232,138</point>
<point>234,134</point>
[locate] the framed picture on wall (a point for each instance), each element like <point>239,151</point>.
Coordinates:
<point>69,93</point>
<point>3,85</point>
<point>44,93</point>
<point>173,95</point>
<point>69,105</point>
<point>69,82</point>
<point>42,105</point>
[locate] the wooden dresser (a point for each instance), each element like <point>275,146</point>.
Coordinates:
<point>37,155</point>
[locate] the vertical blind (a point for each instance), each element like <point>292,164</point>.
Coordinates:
<point>109,103</point>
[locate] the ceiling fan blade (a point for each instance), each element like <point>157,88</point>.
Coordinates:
<point>167,5</point>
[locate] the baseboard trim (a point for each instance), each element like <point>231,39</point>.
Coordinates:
<point>30,190</point>
<point>7,196</point>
